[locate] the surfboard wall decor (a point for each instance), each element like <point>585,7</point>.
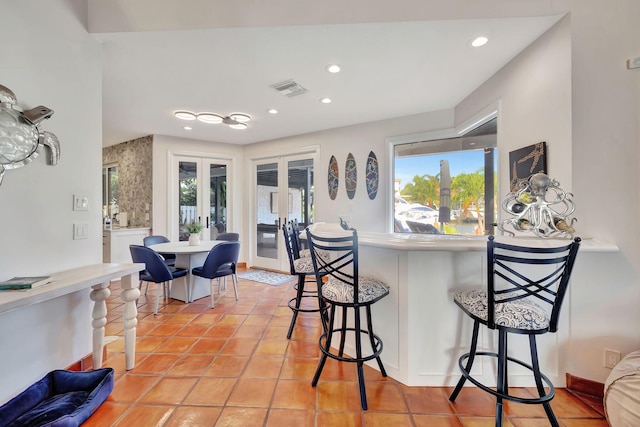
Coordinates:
<point>372,175</point>
<point>351,176</point>
<point>333,178</point>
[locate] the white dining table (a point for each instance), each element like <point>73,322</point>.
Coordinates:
<point>188,257</point>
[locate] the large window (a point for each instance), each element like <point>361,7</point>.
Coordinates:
<point>448,185</point>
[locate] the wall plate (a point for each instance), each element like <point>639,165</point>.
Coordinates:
<point>80,203</point>
<point>80,231</point>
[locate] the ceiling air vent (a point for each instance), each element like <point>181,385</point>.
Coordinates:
<point>289,88</point>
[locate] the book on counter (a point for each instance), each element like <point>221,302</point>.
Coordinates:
<point>19,283</point>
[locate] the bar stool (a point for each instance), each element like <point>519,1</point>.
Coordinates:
<point>302,267</point>
<point>346,289</point>
<point>525,289</point>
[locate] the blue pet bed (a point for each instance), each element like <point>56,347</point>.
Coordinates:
<point>60,399</point>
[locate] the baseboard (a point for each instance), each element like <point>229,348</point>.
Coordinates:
<point>242,265</point>
<point>86,363</point>
<point>582,385</point>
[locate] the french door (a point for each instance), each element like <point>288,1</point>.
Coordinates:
<point>283,191</point>
<point>201,196</point>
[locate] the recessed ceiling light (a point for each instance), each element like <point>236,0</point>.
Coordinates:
<point>325,100</point>
<point>333,68</point>
<point>185,115</point>
<point>188,128</point>
<point>210,118</point>
<point>479,41</point>
<point>240,117</point>
<point>272,111</point>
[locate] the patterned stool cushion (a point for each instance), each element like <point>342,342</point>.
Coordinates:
<point>305,253</point>
<point>369,289</point>
<point>521,314</point>
<point>303,265</point>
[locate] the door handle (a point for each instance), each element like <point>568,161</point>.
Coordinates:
<point>207,222</point>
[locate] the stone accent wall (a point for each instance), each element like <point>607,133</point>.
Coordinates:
<point>134,159</point>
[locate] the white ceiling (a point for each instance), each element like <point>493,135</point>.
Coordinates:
<point>388,70</point>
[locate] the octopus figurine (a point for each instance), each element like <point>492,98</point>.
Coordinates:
<point>20,136</point>
<point>540,206</point>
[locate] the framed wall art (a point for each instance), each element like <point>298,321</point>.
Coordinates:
<point>525,162</point>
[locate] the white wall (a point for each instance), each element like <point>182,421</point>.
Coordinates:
<point>570,90</point>
<point>364,214</point>
<point>606,144</point>
<point>49,59</point>
<point>534,104</point>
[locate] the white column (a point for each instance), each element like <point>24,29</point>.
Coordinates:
<point>130,293</point>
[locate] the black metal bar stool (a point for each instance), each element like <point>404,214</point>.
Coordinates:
<point>525,289</point>
<point>302,267</point>
<point>337,259</point>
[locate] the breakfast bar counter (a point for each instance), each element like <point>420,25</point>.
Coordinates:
<point>424,332</point>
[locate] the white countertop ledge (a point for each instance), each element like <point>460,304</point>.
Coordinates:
<point>438,242</point>
<point>449,242</point>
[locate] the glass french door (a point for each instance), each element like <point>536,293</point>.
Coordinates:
<point>283,192</point>
<point>201,196</point>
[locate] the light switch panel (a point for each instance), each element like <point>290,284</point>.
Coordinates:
<point>80,231</point>
<point>80,203</point>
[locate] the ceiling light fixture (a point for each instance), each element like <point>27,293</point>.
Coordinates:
<point>479,41</point>
<point>272,111</point>
<point>333,68</point>
<point>185,115</point>
<point>210,118</point>
<point>238,126</point>
<point>188,128</point>
<point>240,117</point>
<point>233,120</point>
<point>325,100</point>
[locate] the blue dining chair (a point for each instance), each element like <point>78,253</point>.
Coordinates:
<point>156,271</point>
<point>221,262</point>
<point>230,237</point>
<point>169,259</point>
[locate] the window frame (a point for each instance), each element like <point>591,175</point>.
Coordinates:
<point>475,121</point>
<point>106,189</point>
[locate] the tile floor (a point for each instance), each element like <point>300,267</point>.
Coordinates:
<point>233,366</point>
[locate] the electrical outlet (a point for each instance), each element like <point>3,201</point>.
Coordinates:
<point>611,358</point>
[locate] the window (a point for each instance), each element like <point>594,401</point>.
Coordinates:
<point>110,189</point>
<point>447,185</point>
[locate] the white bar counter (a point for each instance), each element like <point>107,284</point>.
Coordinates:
<point>424,332</point>
<point>97,277</point>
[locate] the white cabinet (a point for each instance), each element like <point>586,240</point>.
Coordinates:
<point>115,243</point>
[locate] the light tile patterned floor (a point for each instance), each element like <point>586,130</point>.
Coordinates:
<point>233,366</point>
